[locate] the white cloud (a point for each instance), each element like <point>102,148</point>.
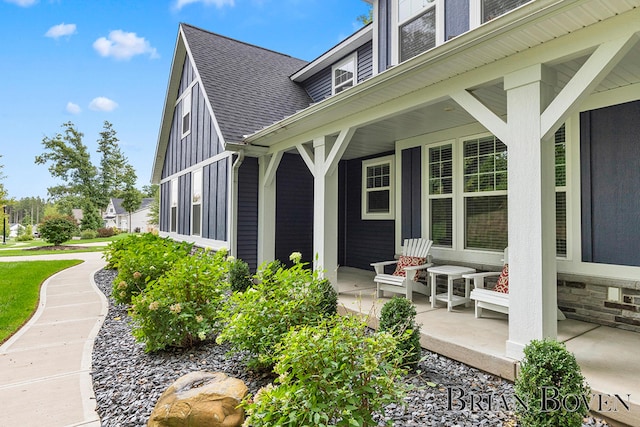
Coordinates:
<point>73,108</point>
<point>102,104</point>
<point>23,3</point>
<point>121,45</point>
<point>61,30</point>
<point>217,3</point>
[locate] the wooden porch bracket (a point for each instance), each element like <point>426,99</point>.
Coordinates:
<point>482,114</point>
<point>588,77</point>
<point>270,173</point>
<point>307,155</point>
<point>338,150</point>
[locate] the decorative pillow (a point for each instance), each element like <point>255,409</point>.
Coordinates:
<point>407,261</point>
<point>503,281</point>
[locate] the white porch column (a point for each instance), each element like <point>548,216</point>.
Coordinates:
<point>325,212</point>
<point>531,195</point>
<point>267,207</point>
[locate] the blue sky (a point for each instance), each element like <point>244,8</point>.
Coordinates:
<point>87,61</point>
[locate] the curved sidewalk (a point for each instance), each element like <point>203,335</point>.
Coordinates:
<point>45,368</point>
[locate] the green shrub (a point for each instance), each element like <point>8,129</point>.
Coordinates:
<point>258,318</point>
<point>24,237</point>
<point>57,230</point>
<point>88,234</point>
<point>549,368</point>
<point>180,308</point>
<point>117,249</point>
<point>145,259</point>
<point>330,374</point>
<point>107,231</point>
<point>398,318</point>
<point>239,275</point>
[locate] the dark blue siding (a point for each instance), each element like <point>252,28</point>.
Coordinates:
<point>294,209</point>
<point>365,61</point>
<point>199,145</point>
<point>411,193</point>
<point>184,204</point>
<point>188,75</point>
<point>248,212</point>
<point>165,206</point>
<point>610,180</point>
<point>384,35</point>
<point>215,200</point>
<point>362,241</point>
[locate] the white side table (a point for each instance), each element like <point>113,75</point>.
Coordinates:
<point>452,272</point>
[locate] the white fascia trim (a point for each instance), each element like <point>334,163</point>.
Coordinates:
<point>345,47</point>
<point>197,240</point>
<point>210,160</point>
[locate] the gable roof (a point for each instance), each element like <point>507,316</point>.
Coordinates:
<point>246,87</point>
<point>120,210</point>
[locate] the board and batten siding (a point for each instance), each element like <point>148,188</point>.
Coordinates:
<point>384,34</point>
<point>411,187</point>
<point>318,86</point>
<point>200,144</point>
<point>215,200</point>
<point>184,204</point>
<point>165,206</point>
<point>361,241</point>
<point>247,245</point>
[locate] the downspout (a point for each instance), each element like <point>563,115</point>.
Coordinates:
<point>233,249</point>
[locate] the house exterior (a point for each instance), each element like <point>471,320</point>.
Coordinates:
<point>477,124</point>
<point>117,216</point>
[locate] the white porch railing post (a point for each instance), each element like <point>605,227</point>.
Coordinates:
<point>531,198</point>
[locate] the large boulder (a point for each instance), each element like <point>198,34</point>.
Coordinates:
<point>200,399</point>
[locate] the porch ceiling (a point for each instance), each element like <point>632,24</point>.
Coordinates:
<point>412,98</point>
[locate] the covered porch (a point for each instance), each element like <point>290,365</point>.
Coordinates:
<point>607,356</point>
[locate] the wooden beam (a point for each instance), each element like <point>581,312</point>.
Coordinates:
<point>588,77</point>
<point>484,115</point>
<point>307,156</point>
<point>338,150</point>
<point>270,173</point>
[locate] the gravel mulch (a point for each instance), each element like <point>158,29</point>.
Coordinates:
<point>127,381</point>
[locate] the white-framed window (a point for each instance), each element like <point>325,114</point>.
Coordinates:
<point>378,188</point>
<point>417,27</point>
<point>344,74</point>
<point>174,206</point>
<point>186,114</point>
<point>196,202</point>
<point>440,194</point>
<point>493,8</point>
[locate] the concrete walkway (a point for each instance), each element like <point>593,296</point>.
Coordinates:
<point>45,368</point>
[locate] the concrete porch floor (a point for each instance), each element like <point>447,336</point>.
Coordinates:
<point>607,356</point>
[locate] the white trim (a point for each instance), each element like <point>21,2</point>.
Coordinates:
<point>197,240</point>
<point>194,201</point>
<point>390,159</point>
<point>209,161</point>
<point>352,58</point>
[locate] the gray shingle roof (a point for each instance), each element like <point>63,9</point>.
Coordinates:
<point>248,86</point>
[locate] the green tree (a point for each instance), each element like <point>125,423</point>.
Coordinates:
<point>112,166</point>
<point>154,208</point>
<point>366,18</point>
<point>91,219</point>
<point>57,230</point>
<point>69,160</point>
<point>131,196</point>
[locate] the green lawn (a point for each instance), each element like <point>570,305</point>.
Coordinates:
<point>13,248</point>
<point>20,289</point>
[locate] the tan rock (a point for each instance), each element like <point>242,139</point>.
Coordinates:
<point>200,399</point>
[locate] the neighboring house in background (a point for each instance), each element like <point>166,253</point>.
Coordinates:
<point>116,216</point>
<point>77,214</point>
<point>476,124</point>
<point>14,230</point>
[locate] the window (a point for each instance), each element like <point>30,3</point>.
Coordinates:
<point>196,202</point>
<point>174,206</point>
<point>344,74</point>
<point>418,35</point>
<point>485,193</point>
<point>186,115</point>
<point>493,8</point>
<point>378,188</point>
<point>561,192</point>
<point>441,195</point>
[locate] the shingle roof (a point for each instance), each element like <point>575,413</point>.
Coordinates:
<point>248,86</point>
<point>120,210</point>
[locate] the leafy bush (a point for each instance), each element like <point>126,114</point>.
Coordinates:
<point>57,230</point>
<point>107,232</point>
<point>398,318</point>
<point>549,368</point>
<point>258,318</point>
<point>330,374</point>
<point>117,249</point>
<point>146,258</point>
<point>24,237</point>
<point>88,234</point>
<point>180,308</point>
<point>239,275</point>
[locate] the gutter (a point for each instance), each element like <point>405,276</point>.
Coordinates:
<point>233,244</point>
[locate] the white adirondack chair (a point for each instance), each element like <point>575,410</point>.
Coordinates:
<point>405,284</point>
<point>489,299</point>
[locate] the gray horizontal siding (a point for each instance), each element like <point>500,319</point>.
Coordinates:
<point>365,61</point>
